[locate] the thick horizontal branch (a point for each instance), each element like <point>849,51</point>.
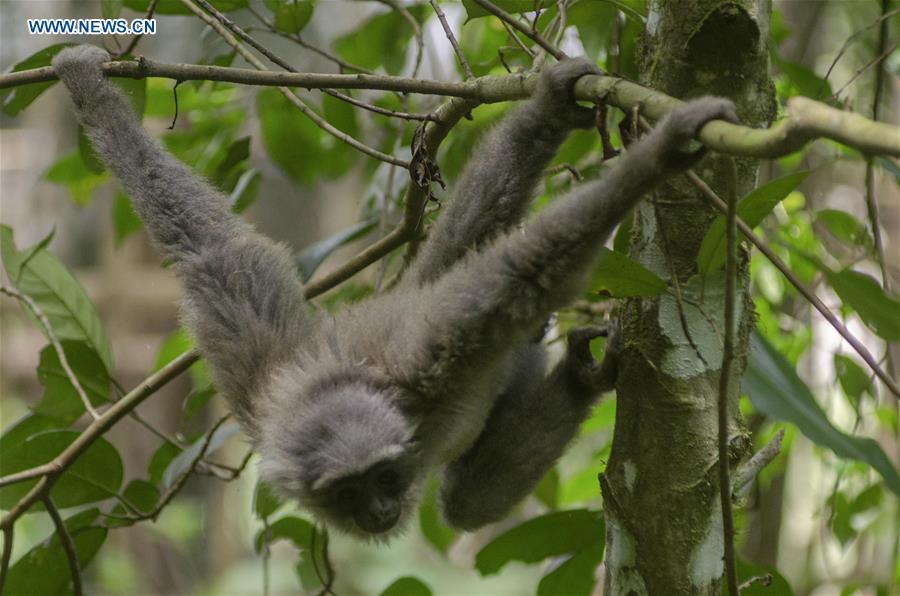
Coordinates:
<point>806,119</point>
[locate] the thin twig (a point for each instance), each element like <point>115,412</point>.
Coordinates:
<point>747,231</point>
<point>764,580</point>
<point>134,40</point>
<point>68,546</point>
<point>724,381</point>
<point>519,26</point>
<point>874,61</point>
<point>509,30</point>
<point>38,312</point>
<point>59,464</point>
<point>5,557</point>
<point>752,467</point>
<point>216,21</point>
<point>856,35</point>
<point>452,39</point>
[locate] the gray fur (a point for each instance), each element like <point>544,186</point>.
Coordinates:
<point>349,413</point>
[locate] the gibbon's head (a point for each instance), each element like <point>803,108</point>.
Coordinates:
<point>349,457</point>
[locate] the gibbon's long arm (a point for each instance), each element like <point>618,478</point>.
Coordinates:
<point>242,298</point>
<point>498,182</point>
<point>505,292</point>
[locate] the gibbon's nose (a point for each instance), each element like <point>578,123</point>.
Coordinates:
<point>381,516</point>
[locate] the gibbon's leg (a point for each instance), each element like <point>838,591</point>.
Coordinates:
<point>498,182</point>
<point>242,298</point>
<point>527,431</point>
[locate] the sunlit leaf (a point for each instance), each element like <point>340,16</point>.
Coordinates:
<point>389,32</point>
<point>550,535</point>
<point>753,208</point>
<point>291,16</point>
<point>407,586</point>
<point>265,502</point>
<point>431,524</point>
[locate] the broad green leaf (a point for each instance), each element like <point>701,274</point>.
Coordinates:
<point>297,530</point>
<point>237,152</point>
<point>340,114</point>
<point>161,459</point>
<point>110,9</point>
<point>16,99</point>
<point>178,7</point>
<point>407,586</point>
<point>72,172</point>
<point>390,33</point>
<point>45,568</point>
<point>844,227</point>
<point>284,131</point>
<point>291,16</point>
<point>19,431</point>
<point>125,220</point>
<point>776,390</point>
<point>753,208</point>
<point>195,402</point>
<point>866,296</point>
<point>181,463</point>
<point>431,524</point>
<point>547,490</point>
<point>96,474</point>
<point>142,494</point>
<point>70,312</point>
<point>616,275</point>
<point>312,256</point>
<point>803,80</point>
<point>61,402</point>
<point>265,502</point>
<point>550,535</point>
<point>176,343</point>
<point>135,91</point>
<point>575,576</point>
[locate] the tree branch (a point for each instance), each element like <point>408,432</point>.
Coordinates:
<point>806,119</point>
<point>452,39</point>
<point>749,470</point>
<point>517,25</point>
<point>65,539</point>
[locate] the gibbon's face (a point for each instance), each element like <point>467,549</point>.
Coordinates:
<point>371,502</point>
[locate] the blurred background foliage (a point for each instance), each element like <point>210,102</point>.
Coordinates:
<point>822,518</point>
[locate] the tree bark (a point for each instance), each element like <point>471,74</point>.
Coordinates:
<point>661,488</point>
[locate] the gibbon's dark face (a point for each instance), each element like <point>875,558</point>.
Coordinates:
<point>375,500</point>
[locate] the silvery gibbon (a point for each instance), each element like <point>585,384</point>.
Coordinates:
<point>350,412</point>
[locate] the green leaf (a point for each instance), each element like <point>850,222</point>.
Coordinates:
<point>291,16</point>
<point>475,11</point>
<point>177,7</point>
<point>746,571</point>
<point>135,91</point>
<point>16,99</point>
<point>161,459</point>
<point>283,131</point>
<point>125,221</point>
<point>312,256</point>
<point>72,172</point>
<point>407,586</point>
<point>265,502</point>
<point>110,9</point>
<point>866,296</point>
<point>195,402</point>
<point>547,490</point>
<point>616,275</point>
<point>86,152</point>
<point>854,380</point>
<point>575,576</point>
<point>237,152</point>
<point>844,227</point>
<point>550,535</point>
<point>802,79</point>
<point>22,429</point>
<point>753,208</point>
<point>45,568</point>
<point>889,166</point>
<point>297,530</point>
<point>431,524</point>
<point>96,474</point>
<point>381,41</point>
<point>176,343</point>
<point>776,390</point>
<point>142,494</point>
<point>340,114</point>
<point>47,281</point>
<point>61,402</point>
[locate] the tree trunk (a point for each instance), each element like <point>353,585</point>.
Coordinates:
<point>660,488</point>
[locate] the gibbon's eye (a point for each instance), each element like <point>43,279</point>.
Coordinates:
<point>347,496</point>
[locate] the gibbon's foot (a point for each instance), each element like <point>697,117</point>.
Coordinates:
<point>597,377</point>
<point>684,123</point>
<point>557,90</point>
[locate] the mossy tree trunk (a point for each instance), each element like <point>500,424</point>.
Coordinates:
<point>660,488</point>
